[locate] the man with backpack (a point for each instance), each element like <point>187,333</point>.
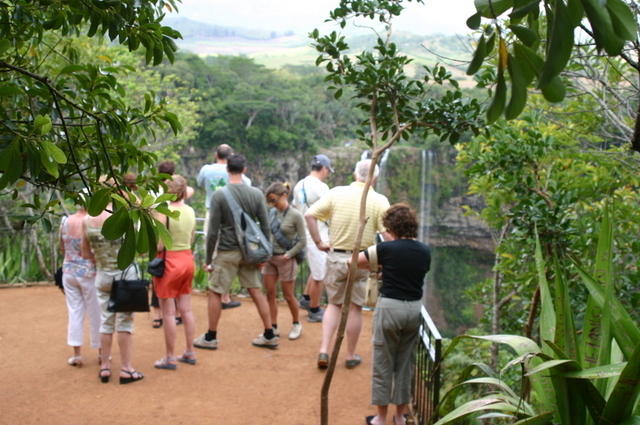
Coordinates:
<point>229,261</point>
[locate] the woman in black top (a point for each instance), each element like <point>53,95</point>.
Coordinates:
<point>404,262</point>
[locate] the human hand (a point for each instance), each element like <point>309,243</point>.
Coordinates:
<point>323,246</point>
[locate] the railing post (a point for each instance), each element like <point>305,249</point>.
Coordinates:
<point>427,372</point>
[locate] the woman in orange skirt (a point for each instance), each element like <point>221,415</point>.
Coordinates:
<point>175,284</point>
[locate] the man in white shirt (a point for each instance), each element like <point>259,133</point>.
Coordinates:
<point>213,177</point>
<point>305,193</point>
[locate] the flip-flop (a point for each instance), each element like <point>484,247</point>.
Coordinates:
<point>355,361</point>
<point>134,376</point>
<point>165,363</point>
<point>188,358</point>
<point>157,323</point>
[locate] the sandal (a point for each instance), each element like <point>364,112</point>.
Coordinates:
<point>178,320</point>
<point>165,363</point>
<point>133,376</point>
<point>157,323</point>
<point>188,357</point>
<point>75,361</point>
<point>104,378</point>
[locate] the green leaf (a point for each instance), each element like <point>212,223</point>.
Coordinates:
<point>624,23</point>
<point>127,250</point>
<point>602,25</point>
<point>4,45</point>
<point>478,56</point>
<point>619,406</point>
<point>624,330</point>
<point>116,224</point>
<point>555,90</point>
<point>152,241</point>
<point>524,34</point>
<point>541,419</point>
<point>565,336</point>
<point>522,11</point>
<point>42,124</point>
<point>547,311</point>
<point>469,408</point>
<point>576,12</point>
<point>599,372</point>
<point>518,89</point>
<point>48,163</point>
<point>560,45</point>
<point>8,89</point>
<point>54,152</point>
<point>98,202</point>
<point>492,8</point>
<point>550,364</point>
<point>474,21</point>
<point>499,99</point>
<point>164,234</point>
<point>142,241</point>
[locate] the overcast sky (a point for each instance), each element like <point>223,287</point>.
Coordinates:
<point>302,16</point>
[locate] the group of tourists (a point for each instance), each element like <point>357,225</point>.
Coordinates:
<point>311,222</point>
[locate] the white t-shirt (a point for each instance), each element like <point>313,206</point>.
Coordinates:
<point>214,176</point>
<point>305,193</point>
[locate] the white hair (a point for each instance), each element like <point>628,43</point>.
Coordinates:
<point>362,170</point>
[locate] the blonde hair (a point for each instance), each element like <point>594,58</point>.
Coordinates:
<point>279,189</point>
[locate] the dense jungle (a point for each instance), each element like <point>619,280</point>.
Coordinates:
<point>527,187</point>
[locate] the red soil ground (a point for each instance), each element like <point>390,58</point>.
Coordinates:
<point>236,385</point>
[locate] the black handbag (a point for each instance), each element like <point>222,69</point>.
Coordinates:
<point>128,295</point>
<point>156,266</point>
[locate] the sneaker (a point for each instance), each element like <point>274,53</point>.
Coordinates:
<point>261,341</point>
<point>296,330</point>
<point>304,303</point>
<point>315,317</point>
<point>200,342</point>
<point>276,331</point>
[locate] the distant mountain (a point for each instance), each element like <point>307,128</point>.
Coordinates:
<point>275,50</point>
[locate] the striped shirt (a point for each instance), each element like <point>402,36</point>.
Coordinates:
<point>341,206</point>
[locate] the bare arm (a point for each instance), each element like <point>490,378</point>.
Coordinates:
<point>312,225</point>
<point>363,261</point>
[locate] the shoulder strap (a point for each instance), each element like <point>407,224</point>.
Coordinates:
<point>235,210</point>
<point>304,195</point>
<point>276,231</point>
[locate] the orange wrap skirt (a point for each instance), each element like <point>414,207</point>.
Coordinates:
<point>179,268</point>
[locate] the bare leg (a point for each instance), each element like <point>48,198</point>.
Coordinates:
<point>189,321</point>
<point>401,410</point>
<point>354,326</point>
<point>381,418</point>
<point>77,351</point>
<point>105,352</point>
<point>168,307</point>
<point>125,344</point>
<point>287,292</point>
<point>226,298</point>
<point>315,292</point>
<point>215,309</point>
<point>270,281</point>
<point>262,305</point>
<point>329,325</point>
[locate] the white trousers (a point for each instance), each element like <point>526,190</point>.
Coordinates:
<point>82,298</point>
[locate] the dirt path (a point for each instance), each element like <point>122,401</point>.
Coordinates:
<point>236,385</point>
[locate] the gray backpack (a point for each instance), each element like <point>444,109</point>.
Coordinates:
<point>254,245</point>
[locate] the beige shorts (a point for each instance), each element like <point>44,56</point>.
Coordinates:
<point>284,268</point>
<point>113,322</point>
<point>229,264</point>
<point>336,279</point>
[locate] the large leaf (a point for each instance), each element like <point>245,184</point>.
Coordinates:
<point>127,250</point>
<point>547,311</point>
<point>560,46</point>
<point>620,404</point>
<point>98,202</point>
<point>602,25</point>
<point>624,330</point>
<point>542,419</point>
<point>624,23</point>
<point>492,8</point>
<point>518,89</point>
<point>599,372</point>
<point>116,224</point>
<point>469,408</point>
<point>565,336</point>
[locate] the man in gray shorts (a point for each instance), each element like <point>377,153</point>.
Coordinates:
<point>228,262</point>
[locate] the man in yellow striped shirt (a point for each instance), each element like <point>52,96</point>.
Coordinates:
<point>341,208</point>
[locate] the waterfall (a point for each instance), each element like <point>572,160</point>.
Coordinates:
<point>381,186</point>
<point>426,195</point>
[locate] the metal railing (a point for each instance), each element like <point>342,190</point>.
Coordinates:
<point>427,372</point>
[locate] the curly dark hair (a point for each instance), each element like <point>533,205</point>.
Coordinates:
<point>401,220</point>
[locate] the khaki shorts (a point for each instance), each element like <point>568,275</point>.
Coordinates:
<point>110,322</point>
<point>284,268</point>
<point>229,264</point>
<point>336,279</point>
